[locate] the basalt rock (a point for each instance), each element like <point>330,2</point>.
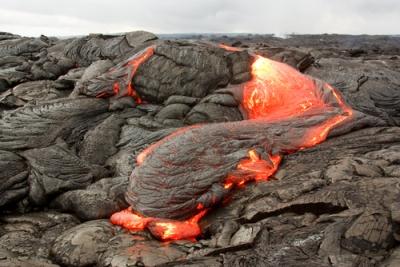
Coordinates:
<point>28,238</point>
<point>36,91</point>
<point>333,204</point>
<point>46,121</point>
<point>370,87</point>
<point>175,68</point>
<point>100,142</point>
<point>81,245</point>
<point>194,70</point>
<point>125,250</point>
<point>54,170</point>
<point>89,49</point>
<point>13,178</point>
<point>22,46</point>
<point>98,201</point>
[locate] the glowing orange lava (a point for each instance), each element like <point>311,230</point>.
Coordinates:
<point>229,48</point>
<point>279,92</point>
<point>162,229</point>
<point>276,92</point>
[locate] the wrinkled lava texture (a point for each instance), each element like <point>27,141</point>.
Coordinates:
<point>183,175</point>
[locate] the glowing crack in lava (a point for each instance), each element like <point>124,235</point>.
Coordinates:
<point>286,110</point>
<point>124,87</point>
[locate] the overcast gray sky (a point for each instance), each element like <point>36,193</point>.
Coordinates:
<point>72,17</point>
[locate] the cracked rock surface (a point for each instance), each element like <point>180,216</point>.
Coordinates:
<point>66,155</point>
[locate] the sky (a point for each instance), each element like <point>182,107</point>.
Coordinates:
<point>78,17</point>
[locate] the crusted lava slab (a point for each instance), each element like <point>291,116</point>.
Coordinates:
<point>333,204</point>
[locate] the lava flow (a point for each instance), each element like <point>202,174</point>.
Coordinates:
<point>276,93</point>
<point>119,87</point>
<point>162,229</point>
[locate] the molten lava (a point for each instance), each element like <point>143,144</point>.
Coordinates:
<point>279,92</point>
<point>276,93</point>
<point>132,64</point>
<point>259,168</point>
<point>162,229</point>
<point>229,48</point>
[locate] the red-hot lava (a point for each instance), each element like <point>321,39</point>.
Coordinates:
<point>276,92</point>
<point>132,64</point>
<point>163,229</point>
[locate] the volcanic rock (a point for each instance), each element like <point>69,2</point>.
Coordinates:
<point>28,238</point>
<point>99,143</point>
<point>46,121</point>
<point>370,87</point>
<point>53,170</point>
<point>333,204</point>
<point>81,245</point>
<point>89,49</point>
<point>125,250</point>
<point>37,91</point>
<point>22,46</point>
<point>193,70</point>
<point>13,178</point>
<point>212,112</point>
<point>98,201</point>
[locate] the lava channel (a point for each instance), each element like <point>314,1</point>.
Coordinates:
<point>276,93</point>
<point>131,65</point>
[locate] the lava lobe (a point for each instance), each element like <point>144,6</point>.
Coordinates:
<point>183,175</point>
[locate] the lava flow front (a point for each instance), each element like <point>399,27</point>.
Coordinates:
<point>163,229</point>
<point>276,93</point>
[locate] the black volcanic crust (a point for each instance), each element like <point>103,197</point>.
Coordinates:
<point>66,155</point>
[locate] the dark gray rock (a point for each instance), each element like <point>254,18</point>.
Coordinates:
<point>88,49</point>
<point>40,90</point>
<point>246,235</point>
<point>193,70</point>
<point>369,86</point>
<point>126,250</point>
<point>100,142</point>
<point>3,85</point>
<point>173,111</point>
<point>180,99</point>
<point>73,75</point>
<point>95,69</point>
<point>211,112</point>
<point>40,125</point>
<point>98,201</point>
<point>221,99</point>
<point>83,244</point>
<point>10,260</point>
<point>334,204</point>
<point>13,178</point>
<point>29,237</point>
<point>394,259</point>
<point>8,36</point>
<point>174,68</point>
<point>137,38</point>
<point>54,170</point>
<point>240,65</point>
<point>133,140</point>
<point>297,58</point>
<point>51,67</point>
<point>14,70</point>
<point>22,46</point>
